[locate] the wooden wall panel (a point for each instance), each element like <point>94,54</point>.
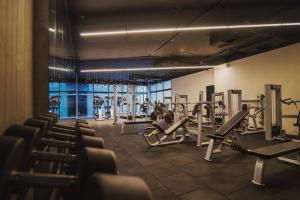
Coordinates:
<point>15,61</point>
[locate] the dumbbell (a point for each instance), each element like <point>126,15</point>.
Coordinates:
<point>98,186</point>
<point>80,126</point>
<point>65,135</point>
<point>32,137</point>
<point>75,146</point>
<point>12,173</point>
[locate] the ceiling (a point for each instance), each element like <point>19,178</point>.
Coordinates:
<point>178,48</point>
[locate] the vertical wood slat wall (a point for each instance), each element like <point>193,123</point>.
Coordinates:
<point>16,81</point>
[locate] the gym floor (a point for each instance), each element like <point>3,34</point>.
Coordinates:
<point>179,171</point>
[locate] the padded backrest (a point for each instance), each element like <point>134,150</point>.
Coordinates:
<point>31,137</point>
<point>11,158</point>
<point>176,125</point>
<point>232,123</point>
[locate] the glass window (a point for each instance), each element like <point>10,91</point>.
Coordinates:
<point>167,85</point>
<point>67,105</point>
<point>53,86</point>
<point>67,87</point>
<point>153,87</point>
<point>159,86</point>
<point>100,88</point>
<point>153,97</point>
<point>167,93</point>
<point>160,97</point>
<point>64,100</point>
<point>119,88</point>
<point>85,87</point>
<point>124,88</point>
<point>111,88</point>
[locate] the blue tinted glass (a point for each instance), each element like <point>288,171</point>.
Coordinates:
<point>160,86</point>
<point>160,97</point>
<point>124,88</point>
<point>100,88</point>
<point>167,85</point>
<point>67,105</point>
<point>111,88</point>
<point>153,97</point>
<point>67,87</point>
<point>85,87</point>
<point>53,87</point>
<point>119,88</point>
<point>153,87</point>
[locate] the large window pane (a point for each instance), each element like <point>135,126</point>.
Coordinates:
<point>167,85</point>
<point>111,88</point>
<point>85,87</point>
<point>159,86</point>
<point>167,93</point>
<point>153,87</point>
<point>100,88</point>
<point>67,105</point>
<point>153,97</point>
<point>53,86</point>
<point>67,87</point>
<point>160,97</point>
<point>54,102</point>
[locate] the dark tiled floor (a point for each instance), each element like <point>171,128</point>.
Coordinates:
<point>179,171</point>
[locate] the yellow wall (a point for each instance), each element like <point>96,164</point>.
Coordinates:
<point>280,66</point>
<point>192,84</point>
<point>15,61</point>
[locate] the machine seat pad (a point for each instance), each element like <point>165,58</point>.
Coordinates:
<point>276,150</point>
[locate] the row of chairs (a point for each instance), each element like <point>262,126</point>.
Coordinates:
<point>44,159</point>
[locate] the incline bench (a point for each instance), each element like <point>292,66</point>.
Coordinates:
<point>222,132</point>
<point>167,133</point>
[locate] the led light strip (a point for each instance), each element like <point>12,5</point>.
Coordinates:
<point>52,30</point>
<point>196,28</point>
<point>144,69</point>
<point>60,69</point>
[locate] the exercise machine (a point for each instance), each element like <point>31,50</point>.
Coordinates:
<point>98,102</point>
<point>290,101</point>
<point>279,144</point>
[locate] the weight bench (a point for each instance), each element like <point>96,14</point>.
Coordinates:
<point>273,151</point>
<point>167,133</point>
<point>224,130</point>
